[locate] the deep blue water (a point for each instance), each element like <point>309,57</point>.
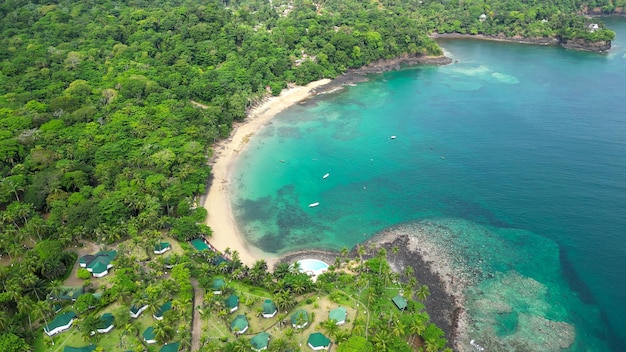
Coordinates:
<point>520,146</point>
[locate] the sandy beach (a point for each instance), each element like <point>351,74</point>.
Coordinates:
<point>217,202</point>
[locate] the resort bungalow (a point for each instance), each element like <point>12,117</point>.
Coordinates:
<point>60,323</point>
<point>162,309</point>
<point>260,341</point>
<point>68,294</point>
<point>148,335</point>
<point>88,348</point>
<point>218,286</point>
<point>300,319</point>
<point>232,303</point>
<point>400,302</point>
<point>162,247</point>
<point>240,324</point>
<point>106,323</point>
<point>135,311</point>
<point>172,347</point>
<point>317,341</point>
<point>98,264</point>
<point>269,309</point>
<point>339,315</point>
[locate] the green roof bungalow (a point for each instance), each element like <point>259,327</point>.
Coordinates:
<point>171,347</point>
<point>400,302</point>
<point>240,324</point>
<point>68,294</point>
<point>148,335</point>
<point>135,311</point>
<point>106,323</point>
<point>162,309</point>
<point>260,341</point>
<point>339,315</point>
<point>300,319</point>
<point>88,348</point>
<point>317,341</point>
<point>218,286</point>
<point>232,303</point>
<point>162,247</point>
<point>86,259</point>
<point>101,263</point>
<point>269,309</point>
<point>60,323</point>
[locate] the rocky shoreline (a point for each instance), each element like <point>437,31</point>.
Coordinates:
<point>574,44</point>
<point>360,74</point>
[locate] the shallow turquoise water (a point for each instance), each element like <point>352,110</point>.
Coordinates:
<point>521,148</point>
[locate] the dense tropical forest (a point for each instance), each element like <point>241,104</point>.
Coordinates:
<point>109,109</point>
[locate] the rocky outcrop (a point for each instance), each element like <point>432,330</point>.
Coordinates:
<point>602,46</point>
<point>574,44</point>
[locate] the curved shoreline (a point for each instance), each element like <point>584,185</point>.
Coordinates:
<point>217,199</point>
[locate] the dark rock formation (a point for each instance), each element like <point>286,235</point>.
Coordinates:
<point>602,46</point>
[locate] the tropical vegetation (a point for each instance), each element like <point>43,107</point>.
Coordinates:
<point>109,110</point>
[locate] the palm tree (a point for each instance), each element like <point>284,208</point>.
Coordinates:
<point>398,329</point>
<point>55,287</point>
<point>89,325</point>
<point>24,306</point>
<point>162,331</point>
<point>330,325</point>
<point>358,328</point>
<point>278,345</point>
<point>281,270</point>
<point>423,293</point>
<point>42,309</point>
<point>381,339</point>
<point>394,251</point>
<point>417,324</point>
<point>242,345</point>
<point>185,339</point>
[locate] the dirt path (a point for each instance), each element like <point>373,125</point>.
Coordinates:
<point>196,328</point>
<point>87,248</point>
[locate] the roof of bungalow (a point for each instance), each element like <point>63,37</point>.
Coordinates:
<point>148,334</point>
<point>106,320</point>
<point>297,316</point>
<point>135,309</point>
<point>232,301</point>
<point>162,309</point>
<point>240,324</point>
<point>218,284</point>
<point>88,348</point>
<point>269,307</point>
<point>400,302</point>
<point>60,320</point>
<point>105,257</point>
<point>260,341</point>
<point>338,314</point>
<point>86,259</point>
<point>318,340</point>
<point>161,247</point>
<point>69,293</point>
<point>170,347</point>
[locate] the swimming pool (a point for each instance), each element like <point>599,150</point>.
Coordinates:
<point>313,267</point>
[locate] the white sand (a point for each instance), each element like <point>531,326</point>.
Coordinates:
<point>217,202</point>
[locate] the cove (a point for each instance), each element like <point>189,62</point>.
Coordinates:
<point>512,159</point>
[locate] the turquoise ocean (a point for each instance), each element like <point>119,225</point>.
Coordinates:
<point>514,155</point>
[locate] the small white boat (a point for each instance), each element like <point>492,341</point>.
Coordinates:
<point>326,176</point>
<point>392,137</point>
<point>313,205</point>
